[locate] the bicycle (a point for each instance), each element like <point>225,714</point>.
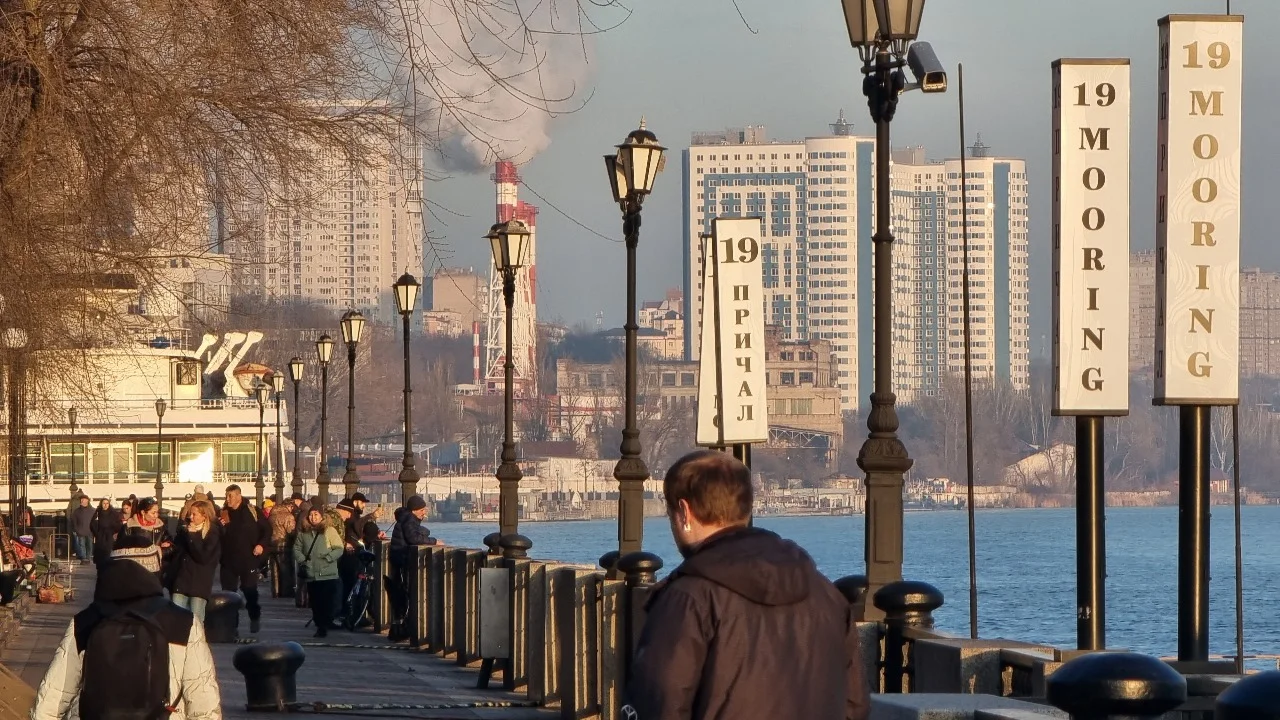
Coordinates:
<point>358,599</point>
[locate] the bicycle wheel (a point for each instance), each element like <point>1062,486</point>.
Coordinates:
<point>357,606</point>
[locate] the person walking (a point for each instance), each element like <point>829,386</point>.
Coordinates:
<point>81,522</point>
<point>106,525</point>
<point>131,653</point>
<point>245,535</point>
<point>316,551</point>
<point>746,627</point>
<point>146,523</point>
<point>197,550</point>
<point>349,563</point>
<point>283,525</point>
<point>407,534</point>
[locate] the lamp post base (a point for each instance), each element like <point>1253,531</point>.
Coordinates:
<point>631,473</point>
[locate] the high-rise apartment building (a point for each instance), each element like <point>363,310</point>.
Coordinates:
<point>345,248</point>
<point>817,200</point>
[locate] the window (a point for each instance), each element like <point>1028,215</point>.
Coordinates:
<point>802,406</point>
<point>240,458</point>
<point>195,462</point>
<point>806,378</point>
<point>687,379</point>
<point>787,378</point>
<point>668,379</point>
<point>65,459</point>
<point>146,457</point>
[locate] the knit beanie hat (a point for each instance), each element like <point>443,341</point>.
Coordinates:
<point>138,549</point>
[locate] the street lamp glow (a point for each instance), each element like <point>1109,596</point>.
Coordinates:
<point>295,369</point>
<point>899,20</point>
<point>352,327</point>
<point>862,19</point>
<point>324,349</point>
<point>638,162</point>
<point>406,293</point>
<point>277,381</point>
<point>509,242</point>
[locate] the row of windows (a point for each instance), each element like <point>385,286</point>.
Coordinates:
<point>122,462</point>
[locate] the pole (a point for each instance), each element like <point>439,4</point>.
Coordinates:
<point>883,457</point>
<point>259,484</point>
<point>322,474</point>
<point>968,373</point>
<point>630,472</point>
<point>159,460</point>
<point>350,480</point>
<point>1091,537</point>
<point>1235,488</point>
<point>15,440</point>
<point>279,485</point>
<point>508,472</point>
<point>408,474</point>
<point>72,422</point>
<point>297,471</point>
<point>1193,532</point>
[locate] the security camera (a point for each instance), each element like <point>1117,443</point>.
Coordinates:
<point>924,64</point>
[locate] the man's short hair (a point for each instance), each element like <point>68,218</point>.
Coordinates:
<point>233,488</point>
<point>716,486</point>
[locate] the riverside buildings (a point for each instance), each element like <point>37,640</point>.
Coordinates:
<point>816,197</point>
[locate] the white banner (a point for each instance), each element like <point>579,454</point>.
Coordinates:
<point>1198,211</point>
<point>1091,108</point>
<point>731,365</point>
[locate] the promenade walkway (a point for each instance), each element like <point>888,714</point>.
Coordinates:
<point>357,668</point>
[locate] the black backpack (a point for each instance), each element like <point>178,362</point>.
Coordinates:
<point>126,662</point>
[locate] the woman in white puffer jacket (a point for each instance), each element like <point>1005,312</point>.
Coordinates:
<point>124,583</point>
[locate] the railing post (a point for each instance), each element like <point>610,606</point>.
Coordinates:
<point>854,589</point>
<point>1116,686</point>
<point>435,599</point>
<point>448,599</point>
<point>640,571</point>
<point>466,603</point>
<point>379,605</point>
<point>905,604</point>
<point>515,552</point>
<point>1255,697</point>
<point>419,560</point>
<point>577,651</point>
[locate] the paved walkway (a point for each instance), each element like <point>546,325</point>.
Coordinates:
<point>332,674</point>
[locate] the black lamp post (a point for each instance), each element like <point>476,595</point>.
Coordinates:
<point>160,408</point>
<point>277,384</point>
<point>262,391</point>
<point>15,341</point>
<point>295,374</point>
<point>352,327</point>
<point>509,241</point>
<point>324,351</point>
<point>882,30</point>
<point>71,421</point>
<point>406,296</point>
<point>631,174</point>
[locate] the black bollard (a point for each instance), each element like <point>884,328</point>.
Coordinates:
<point>609,560</point>
<point>854,589</point>
<point>1256,697</point>
<point>639,568</point>
<point>493,541</point>
<point>905,604</point>
<point>1116,686</point>
<point>515,546</point>
<point>222,617</point>
<point>270,675</point>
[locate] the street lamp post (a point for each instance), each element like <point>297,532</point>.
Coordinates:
<point>15,341</point>
<point>631,174</point>
<point>406,296</point>
<point>352,327</point>
<point>277,384</point>
<point>262,391</point>
<point>295,374</point>
<point>71,421</point>
<point>882,30</point>
<point>509,241</point>
<point>324,351</point>
<point>160,408</point>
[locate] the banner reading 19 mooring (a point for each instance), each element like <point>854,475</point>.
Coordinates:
<point>731,373</point>
<point>1091,237</point>
<point>1198,210</point>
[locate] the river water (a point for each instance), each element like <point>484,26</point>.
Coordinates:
<point>1026,568</point>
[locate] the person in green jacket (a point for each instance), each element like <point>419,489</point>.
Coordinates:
<point>315,553</point>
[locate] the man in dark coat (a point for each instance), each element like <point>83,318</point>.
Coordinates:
<point>82,528</point>
<point>107,523</point>
<point>246,533</point>
<point>405,536</point>
<point>746,627</point>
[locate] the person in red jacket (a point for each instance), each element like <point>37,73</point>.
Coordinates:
<point>746,627</point>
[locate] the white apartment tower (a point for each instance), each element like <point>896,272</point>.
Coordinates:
<point>817,198</point>
<point>345,248</point>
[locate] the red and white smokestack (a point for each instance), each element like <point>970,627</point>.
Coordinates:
<point>475,352</point>
<point>506,180</point>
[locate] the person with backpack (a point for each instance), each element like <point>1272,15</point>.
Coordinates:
<point>195,558</point>
<point>315,553</point>
<point>245,536</point>
<point>130,654</point>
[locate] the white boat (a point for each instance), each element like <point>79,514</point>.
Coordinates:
<point>207,436</point>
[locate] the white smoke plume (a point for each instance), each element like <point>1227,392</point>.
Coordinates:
<point>486,77</point>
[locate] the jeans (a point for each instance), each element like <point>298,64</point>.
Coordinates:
<point>84,547</point>
<point>194,604</point>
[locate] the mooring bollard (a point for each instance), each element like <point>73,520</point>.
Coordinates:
<point>905,604</point>
<point>270,675</point>
<point>222,617</point>
<point>1116,686</point>
<point>1255,697</point>
<point>639,570</point>
<point>515,546</point>
<point>854,589</point>
<point>493,541</point>
<point>609,560</point>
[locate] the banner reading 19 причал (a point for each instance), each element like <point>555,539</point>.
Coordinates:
<point>1091,118</point>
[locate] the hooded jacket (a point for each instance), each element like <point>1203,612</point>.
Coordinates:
<point>748,628</point>
<point>318,547</point>
<point>192,677</point>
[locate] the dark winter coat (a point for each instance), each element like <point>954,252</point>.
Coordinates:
<point>407,533</point>
<point>246,528</point>
<point>748,628</point>
<point>367,530</point>
<point>82,521</point>
<point>195,560</point>
<point>106,526</point>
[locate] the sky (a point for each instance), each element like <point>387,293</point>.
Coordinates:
<point>689,65</point>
